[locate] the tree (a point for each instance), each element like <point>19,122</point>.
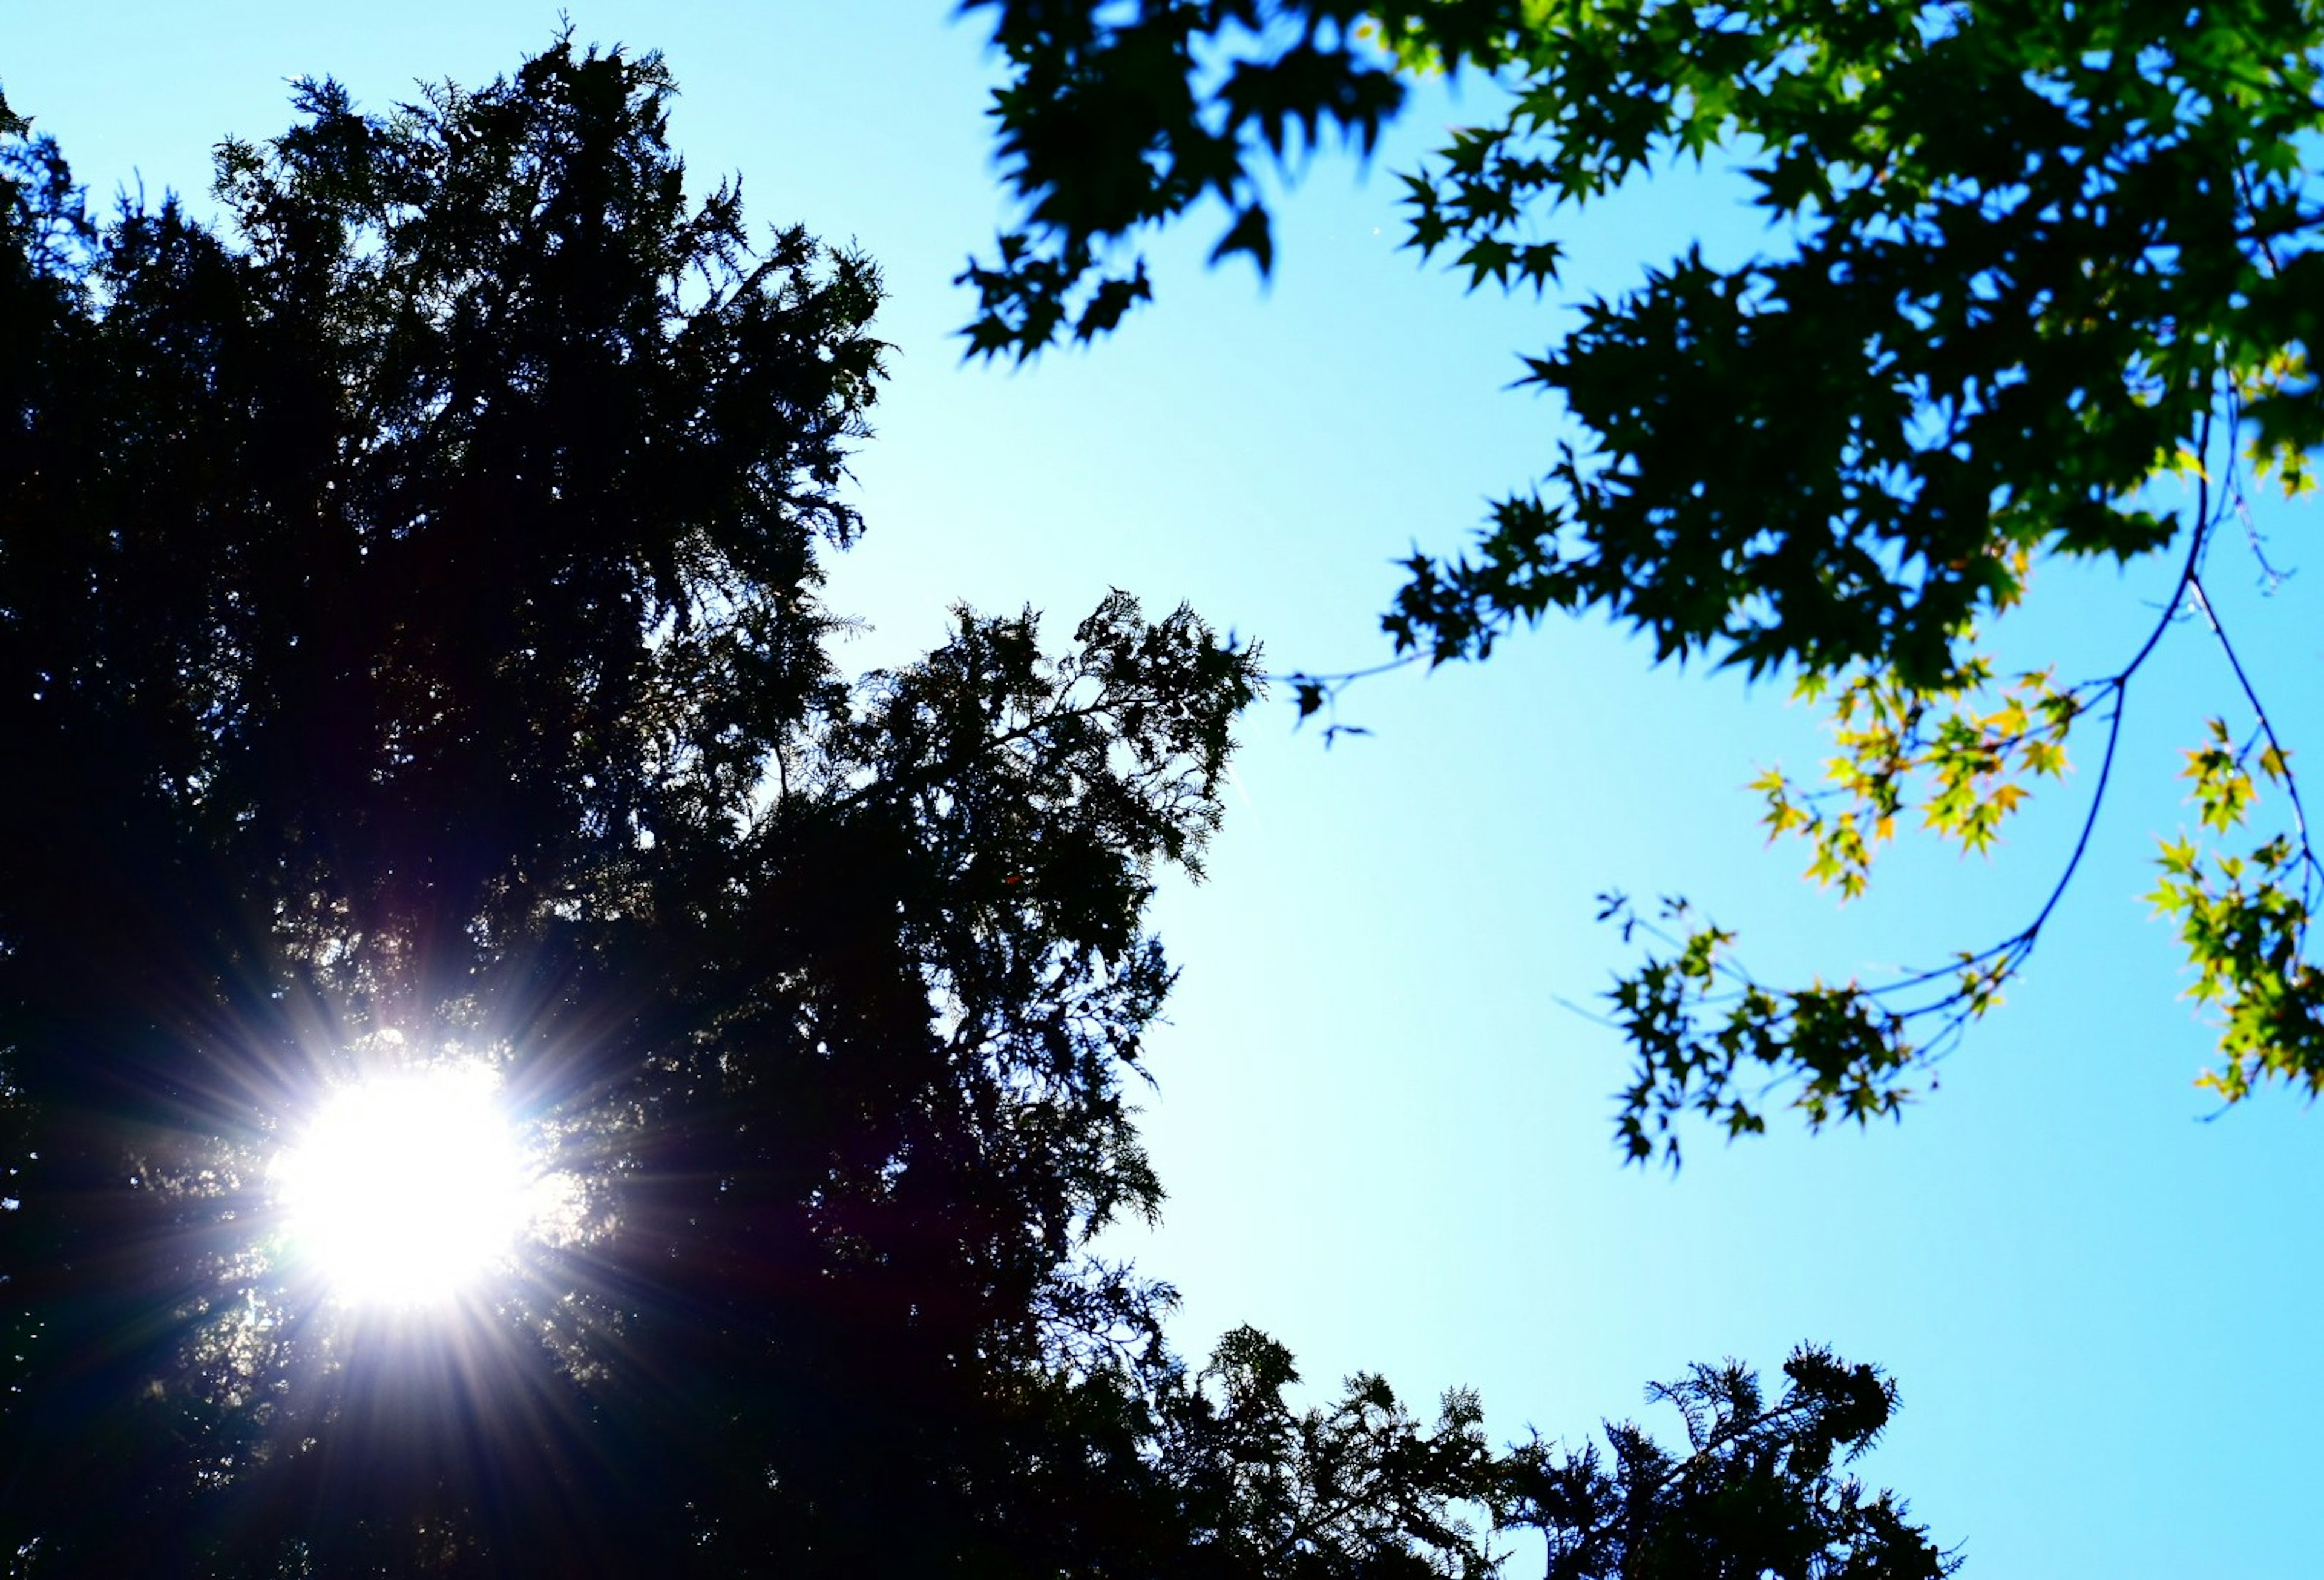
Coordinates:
<point>1758,1494</point>
<point>411,649</point>
<point>1328,1492</point>
<point>1985,339</point>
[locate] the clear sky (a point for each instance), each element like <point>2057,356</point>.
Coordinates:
<point>1385,1140</point>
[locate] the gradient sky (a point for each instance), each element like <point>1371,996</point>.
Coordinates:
<point>1385,1140</point>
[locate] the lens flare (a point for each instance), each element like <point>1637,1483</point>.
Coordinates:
<point>407,1189</point>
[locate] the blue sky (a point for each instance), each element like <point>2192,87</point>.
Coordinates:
<point>1385,1142</point>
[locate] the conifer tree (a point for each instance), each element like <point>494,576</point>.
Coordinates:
<point>414,665</point>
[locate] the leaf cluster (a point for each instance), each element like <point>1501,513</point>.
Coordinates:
<point>1973,341</point>
<point>1987,332</point>
<point>1701,1032</point>
<point>1970,769</point>
<point>1121,119</point>
<point>2244,919</point>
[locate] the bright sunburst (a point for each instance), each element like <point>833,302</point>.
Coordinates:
<point>408,1188</point>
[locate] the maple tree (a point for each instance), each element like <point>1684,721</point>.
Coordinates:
<point>1982,341</point>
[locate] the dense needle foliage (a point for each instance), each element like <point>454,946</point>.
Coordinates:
<point>411,647</point>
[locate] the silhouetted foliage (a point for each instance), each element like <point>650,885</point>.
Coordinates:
<point>1758,1494</point>
<point>410,645</point>
<point>1976,342</point>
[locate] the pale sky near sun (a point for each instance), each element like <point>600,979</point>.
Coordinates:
<point>1384,1140</point>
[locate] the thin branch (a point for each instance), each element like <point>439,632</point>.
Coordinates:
<point>1344,676</point>
<point>1313,693</point>
<point>2012,952</point>
<point>2310,868</point>
<point>2022,941</point>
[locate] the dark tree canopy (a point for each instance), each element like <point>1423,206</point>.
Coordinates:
<point>411,645</point>
<point>2030,257</point>
<point>1760,1491</point>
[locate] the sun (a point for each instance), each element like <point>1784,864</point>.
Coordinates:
<point>407,1189</point>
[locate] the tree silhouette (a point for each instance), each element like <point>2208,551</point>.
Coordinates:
<point>1973,345</point>
<point>411,656</point>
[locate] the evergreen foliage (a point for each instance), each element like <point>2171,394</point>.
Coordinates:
<point>411,649</point>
